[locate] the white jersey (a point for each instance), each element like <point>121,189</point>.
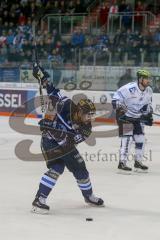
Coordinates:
<point>134,99</point>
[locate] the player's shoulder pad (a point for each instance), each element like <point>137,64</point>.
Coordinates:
<point>127,89</point>
<point>131,87</point>
<point>65,103</point>
<point>149,90</point>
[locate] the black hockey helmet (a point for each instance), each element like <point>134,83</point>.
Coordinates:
<point>86,106</point>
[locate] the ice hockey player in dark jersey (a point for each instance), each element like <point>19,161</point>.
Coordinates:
<point>65,125</point>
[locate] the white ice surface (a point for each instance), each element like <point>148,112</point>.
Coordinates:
<point>132,209</point>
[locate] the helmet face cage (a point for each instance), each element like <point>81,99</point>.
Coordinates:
<point>86,106</point>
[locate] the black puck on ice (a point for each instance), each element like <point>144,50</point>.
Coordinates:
<point>89,219</point>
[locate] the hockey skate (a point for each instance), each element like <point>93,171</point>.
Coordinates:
<point>39,206</point>
<point>140,167</point>
<point>94,201</point>
<point>124,168</point>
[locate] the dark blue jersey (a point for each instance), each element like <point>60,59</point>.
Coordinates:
<point>63,127</point>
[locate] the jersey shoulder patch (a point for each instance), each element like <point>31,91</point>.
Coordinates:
<point>132,87</point>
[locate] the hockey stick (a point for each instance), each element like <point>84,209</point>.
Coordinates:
<point>156,122</point>
<point>36,63</point>
<point>156,114</point>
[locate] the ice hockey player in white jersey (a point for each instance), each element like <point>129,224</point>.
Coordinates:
<point>133,105</point>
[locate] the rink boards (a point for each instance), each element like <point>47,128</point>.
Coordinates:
<point>23,100</point>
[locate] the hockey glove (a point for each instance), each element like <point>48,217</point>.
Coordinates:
<point>147,119</point>
<point>40,74</point>
<point>146,109</point>
<point>72,139</point>
<point>45,124</point>
<point>78,138</point>
<point>118,105</point>
<point>62,137</point>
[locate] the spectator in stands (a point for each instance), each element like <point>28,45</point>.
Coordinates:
<point>33,9</point>
<point>55,9</point>
<point>24,7</point>
<point>102,43</point>
<point>145,49</point>
<point>18,39</point>
<point>137,36</point>
<point>13,18</point>
<point>26,46</point>
<point>113,7</point>
<point>67,51</point>
<point>10,38</point>
<point>156,35</point>
<point>113,14</point>
<point>135,53</point>
<point>62,7</point>
<point>22,19</point>
<point>103,13</point>
<point>122,6</point>
<point>3,38</point>
<point>70,7</point>
<point>78,39</point>
<point>118,37</point>
<point>156,89</point>
<point>5,26</point>
<point>40,48</point>
<point>154,50</point>
<point>139,8</point>
<point>17,9</point>
<point>119,53</point>
<point>127,18</point>
<point>79,7</point>
<point>148,7</point>
<point>29,56</point>
<point>5,16</point>
<point>39,36</point>
<point>125,78</point>
<point>56,59</point>
<point>13,55</point>
<point>129,35</point>
<point>147,35</point>
<point>55,37</point>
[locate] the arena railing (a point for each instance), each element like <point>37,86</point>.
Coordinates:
<point>65,24</point>
<point>117,21</point>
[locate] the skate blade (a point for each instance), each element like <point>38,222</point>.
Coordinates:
<point>138,170</point>
<point>94,205</point>
<point>124,172</point>
<point>39,210</point>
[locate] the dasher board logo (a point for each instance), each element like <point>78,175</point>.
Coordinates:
<point>12,99</point>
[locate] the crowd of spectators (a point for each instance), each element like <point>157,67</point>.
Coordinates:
<point>125,8</point>
<point>137,46</point>
<point>16,23</point>
<point>17,43</point>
